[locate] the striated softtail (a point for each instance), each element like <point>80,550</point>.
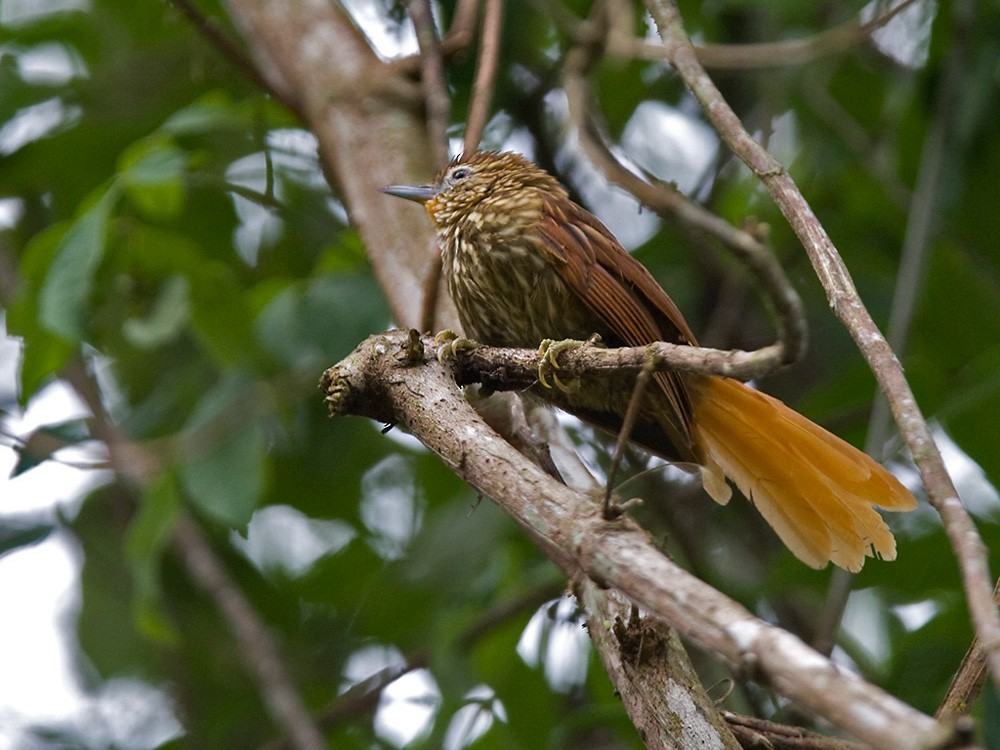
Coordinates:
<point>818,492</point>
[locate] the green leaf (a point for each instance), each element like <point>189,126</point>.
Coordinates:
<point>16,533</point>
<point>227,479</point>
<point>287,325</point>
<point>148,536</point>
<point>212,112</point>
<point>41,443</point>
<point>152,173</point>
<point>44,353</point>
<point>220,315</point>
<point>168,319</point>
<point>63,296</point>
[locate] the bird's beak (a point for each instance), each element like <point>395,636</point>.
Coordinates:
<point>418,193</point>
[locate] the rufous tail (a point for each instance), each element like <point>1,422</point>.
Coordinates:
<point>818,492</point>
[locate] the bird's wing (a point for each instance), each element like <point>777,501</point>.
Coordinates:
<point>617,289</point>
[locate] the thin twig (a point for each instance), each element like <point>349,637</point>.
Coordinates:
<point>925,202</point>
<point>922,221</point>
<point>968,680</point>
<point>255,644</point>
<point>463,22</point>
<point>847,305</point>
<point>628,422</point>
<point>436,99</point>
<point>789,52</point>
<point>761,733</point>
<point>486,72</point>
<point>362,698</point>
<point>260,655</point>
<point>438,105</point>
<point>218,38</point>
<point>671,204</point>
<point>816,91</point>
<point>431,294</point>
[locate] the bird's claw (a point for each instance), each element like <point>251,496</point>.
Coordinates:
<point>549,351</point>
<point>449,344</point>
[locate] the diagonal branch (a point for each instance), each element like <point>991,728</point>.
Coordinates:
<point>486,73</point>
<point>134,465</point>
<point>256,645</point>
<point>390,378</point>
<point>922,218</point>
<point>672,205</point>
<point>846,303</point>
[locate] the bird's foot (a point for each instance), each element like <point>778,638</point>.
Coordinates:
<point>449,344</point>
<point>549,351</point>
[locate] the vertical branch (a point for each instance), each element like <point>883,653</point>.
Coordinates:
<point>463,22</point>
<point>486,71</point>
<point>968,680</point>
<point>479,109</point>
<point>833,274</point>
<point>432,79</point>
<point>652,674</point>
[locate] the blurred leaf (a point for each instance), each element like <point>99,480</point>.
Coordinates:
<point>44,353</point>
<point>166,321</point>
<point>221,316</point>
<point>148,536</point>
<point>211,113</point>
<point>63,296</point>
<point>40,444</point>
<point>226,478</point>
<point>106,626</point>
<point>320,320</point>
<point>22,531</point>
<point>152,175</point>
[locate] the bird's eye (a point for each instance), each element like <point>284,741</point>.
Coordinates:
<point>461,173</point>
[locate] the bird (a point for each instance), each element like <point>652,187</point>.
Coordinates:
<point>524,264</point>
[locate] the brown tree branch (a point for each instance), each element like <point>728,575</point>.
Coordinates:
<point>672,205</point>
<point>968,680</point>
<point>218,38</point>
<point>463,23</point>
<point>760,733</point>
<point>255,644</point>
<point>486,73</point>
<point>922,220</point>
<point>847,305</point>
<point>513,369</point>
<point>436,99</point>
<point>789,52</point>
<point>652,674</point>
<point>393,379</point>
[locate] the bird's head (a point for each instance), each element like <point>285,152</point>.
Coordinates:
<point>485,187</point>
